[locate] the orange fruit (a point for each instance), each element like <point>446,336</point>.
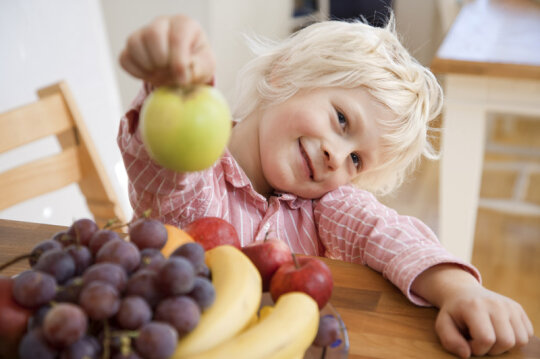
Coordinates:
<point>175,238</point>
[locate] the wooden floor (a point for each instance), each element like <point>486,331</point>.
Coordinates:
<point>507,246</point>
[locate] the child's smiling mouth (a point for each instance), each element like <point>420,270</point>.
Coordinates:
<point>307,162</point>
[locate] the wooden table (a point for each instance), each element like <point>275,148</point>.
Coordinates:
<point>381,322</point>
<point>490,60</point>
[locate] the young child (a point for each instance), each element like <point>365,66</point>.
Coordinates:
<point>332,112</point>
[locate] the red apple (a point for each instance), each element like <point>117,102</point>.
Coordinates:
<point>13,319</point>
<point>268,256</point>
<point>306,274</point>
<point>211,232</point>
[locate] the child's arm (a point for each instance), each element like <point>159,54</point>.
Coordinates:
<point>353,226</point>
<point>472,320</point>
<point>171,50</point>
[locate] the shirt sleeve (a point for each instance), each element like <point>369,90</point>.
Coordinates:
<point>151,187</point>
<point>353,226</point>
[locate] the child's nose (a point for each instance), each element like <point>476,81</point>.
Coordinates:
<point>333,158</point>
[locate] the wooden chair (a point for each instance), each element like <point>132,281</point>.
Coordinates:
<point>55,113</point>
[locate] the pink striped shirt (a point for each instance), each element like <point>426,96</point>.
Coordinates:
<point>347,224</point>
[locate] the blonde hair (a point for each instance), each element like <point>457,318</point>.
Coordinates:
<point>351,55</point>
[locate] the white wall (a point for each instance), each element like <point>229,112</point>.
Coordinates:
<point>422,25</point>
<point>232,19</point>
<point>418,25</point>
<point>42,42</point>
<point>122,17</point>
<point>223,21</point>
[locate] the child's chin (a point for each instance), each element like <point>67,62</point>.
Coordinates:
<point>309,193</point>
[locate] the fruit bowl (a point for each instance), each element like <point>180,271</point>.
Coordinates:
<point>340,349</point>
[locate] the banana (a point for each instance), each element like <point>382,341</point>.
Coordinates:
<point>265,311</point>
<point>238,287</point>
<point>285,333</point>
<point>252,321</point>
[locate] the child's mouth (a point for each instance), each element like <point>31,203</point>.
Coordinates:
<point>306,158</point>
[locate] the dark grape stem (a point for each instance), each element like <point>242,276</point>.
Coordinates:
<point>323,355</point>
<point>110,222</point>
<point>14,260</point>
<point>106,340</point>
<point>77,282</point>
<point>125,333</point>
<point>125,347</point>
<point>112,226</point>
<point>116,226</point>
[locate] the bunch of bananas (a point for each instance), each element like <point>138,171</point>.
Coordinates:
<point>227,329</point>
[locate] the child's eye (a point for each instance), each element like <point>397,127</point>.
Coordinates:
<point>341,119</point>
<point>356,160</point>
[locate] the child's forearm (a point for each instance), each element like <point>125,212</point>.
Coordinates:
<point>441,282</point>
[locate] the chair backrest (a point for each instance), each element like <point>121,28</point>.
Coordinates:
<point>55,113</point>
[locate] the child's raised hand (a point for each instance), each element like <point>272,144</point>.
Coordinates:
<point>170,50</point>
<point>472,320</point>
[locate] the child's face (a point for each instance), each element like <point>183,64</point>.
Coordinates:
<point>320,139</point>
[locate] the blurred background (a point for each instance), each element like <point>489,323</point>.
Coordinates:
<point>80,41</point>
<point>42,42</point>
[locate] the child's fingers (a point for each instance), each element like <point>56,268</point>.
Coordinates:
<point>131,67</point>
<point>160,78</point>
<point>155,39</point>
<point>138,53</point>
<point>528,324</point>
<point>450,336</point>
<point>504,333</point>
<point>481,330</point>
<point>203,65</point>
<point>520,330</point>
<point>183,35</point>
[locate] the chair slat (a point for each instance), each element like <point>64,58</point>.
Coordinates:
<point>56,113</point>
<point>54,172</point>
<point>32,122</point>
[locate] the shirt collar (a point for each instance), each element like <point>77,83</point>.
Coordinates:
<point>236,176</point>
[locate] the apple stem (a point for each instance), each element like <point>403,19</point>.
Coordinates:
<point>295,260</point>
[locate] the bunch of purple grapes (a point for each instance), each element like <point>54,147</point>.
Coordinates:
<point>98,295</point>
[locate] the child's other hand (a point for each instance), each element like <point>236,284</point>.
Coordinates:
<point>472,320</point>
<point>493,323</point>
<point>171,50</point>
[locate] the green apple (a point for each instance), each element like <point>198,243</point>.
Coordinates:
<point>185,129</point>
